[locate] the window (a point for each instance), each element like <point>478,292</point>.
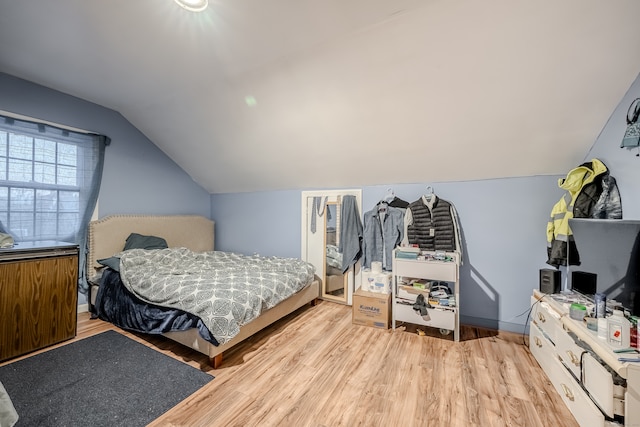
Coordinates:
<point>39,187</point>
<point>49,181</point>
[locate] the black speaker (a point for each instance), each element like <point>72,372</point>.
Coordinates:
<point>550,281</point>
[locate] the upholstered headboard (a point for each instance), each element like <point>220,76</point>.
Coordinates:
<point>107,236</point>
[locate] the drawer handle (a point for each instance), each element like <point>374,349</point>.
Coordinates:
<point>538,342</point>
<point>541,317</point>
<point>574,358</point>
<point>567,392</point>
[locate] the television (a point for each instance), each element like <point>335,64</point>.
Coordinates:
<point>608,252</point>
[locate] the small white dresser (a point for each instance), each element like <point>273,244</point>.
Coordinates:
<point>445,318</point>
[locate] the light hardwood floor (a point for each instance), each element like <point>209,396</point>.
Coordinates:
<point>315,368</point>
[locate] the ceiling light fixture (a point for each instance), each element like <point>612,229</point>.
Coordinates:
<point>193,5</point>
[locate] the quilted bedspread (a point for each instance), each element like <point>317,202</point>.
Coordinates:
<point>226,290</point>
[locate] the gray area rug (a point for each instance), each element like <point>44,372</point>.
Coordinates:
<point>104,380</point>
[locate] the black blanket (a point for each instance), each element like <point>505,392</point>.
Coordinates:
<point>115,304</point>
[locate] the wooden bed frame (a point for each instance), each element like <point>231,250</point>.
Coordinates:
<point>107,236</point>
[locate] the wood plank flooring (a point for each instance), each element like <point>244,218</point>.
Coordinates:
<point>315,368</point>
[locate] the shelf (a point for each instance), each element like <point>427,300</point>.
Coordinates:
<point>404,296</point>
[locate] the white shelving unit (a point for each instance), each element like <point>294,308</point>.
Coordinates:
<point>445,318</point>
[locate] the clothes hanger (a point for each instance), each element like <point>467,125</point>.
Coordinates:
<point>382,204</point>
<point>429,193</point>
<point>389,197</point>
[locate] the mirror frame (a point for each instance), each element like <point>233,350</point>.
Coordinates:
<point>345,276</point>
<point>319,261</point>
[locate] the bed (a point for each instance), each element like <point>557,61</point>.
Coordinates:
<point>188,234</point>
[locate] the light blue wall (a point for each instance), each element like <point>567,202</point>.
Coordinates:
<point>267,223</point>
<point>138,177</point>
<point>503,228</point>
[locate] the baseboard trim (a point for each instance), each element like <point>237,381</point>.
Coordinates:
<point>83,308</point>
<point>496,325</point>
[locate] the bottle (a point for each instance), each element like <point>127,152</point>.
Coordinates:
<point>618,330</point>
<point>600,300</point>
<point>602,328</point>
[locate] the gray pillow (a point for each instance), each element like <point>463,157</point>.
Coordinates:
<point>112,262</point>
<point>138,241</point>
<point>135,241</point>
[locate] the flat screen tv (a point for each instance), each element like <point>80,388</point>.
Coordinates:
<point>609,260</point>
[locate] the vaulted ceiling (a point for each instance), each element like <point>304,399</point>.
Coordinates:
<point>255,95</point>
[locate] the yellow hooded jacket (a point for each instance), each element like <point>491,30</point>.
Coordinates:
<point>559,236</point>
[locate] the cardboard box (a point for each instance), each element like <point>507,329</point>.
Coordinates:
<point>371,309</point>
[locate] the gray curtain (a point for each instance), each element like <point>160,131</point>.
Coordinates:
<point>49,183</point>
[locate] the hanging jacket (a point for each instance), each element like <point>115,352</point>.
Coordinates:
<point>591,192</point>
<point>350,232</point>
<point>398,203</point>
<point>383,231</point>
<point>432,225</point>
<point>609,204</point>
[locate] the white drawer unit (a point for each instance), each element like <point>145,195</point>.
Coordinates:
<point>548,320</point>
<point>599,389</point>
<point>577,400</point>
<point>437,270</point>
<point>541,348</point>
<point>598,382</point>
<point>440,316</point>
<point>570,353</point>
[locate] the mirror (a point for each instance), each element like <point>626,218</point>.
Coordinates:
<point>334,285</point>
<point>321,212</point>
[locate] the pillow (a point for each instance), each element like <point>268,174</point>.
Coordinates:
<point>134,241</point>
<point>138,241</point>
<point>111,262</point>
<point>8,415</point>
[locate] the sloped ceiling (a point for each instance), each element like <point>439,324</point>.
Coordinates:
<point>256,95</point>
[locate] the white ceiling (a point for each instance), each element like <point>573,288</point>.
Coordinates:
<point>347,92</point>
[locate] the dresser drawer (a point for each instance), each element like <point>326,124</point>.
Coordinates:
<point>599,383</point>
<point>433,270</point>
<point>443,319</point>
<point>546,319</point>
<point>569,352</point>
<point>579,403</point>
<point>595,377</point>
<point>541,348</point>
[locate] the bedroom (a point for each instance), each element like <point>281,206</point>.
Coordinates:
<point>497,281</point>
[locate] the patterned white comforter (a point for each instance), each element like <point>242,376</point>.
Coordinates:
<point>224,289</point>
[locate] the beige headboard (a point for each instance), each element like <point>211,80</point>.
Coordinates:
<point>107,236</point>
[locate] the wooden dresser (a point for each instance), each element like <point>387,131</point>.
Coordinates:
<point>38,296</point>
